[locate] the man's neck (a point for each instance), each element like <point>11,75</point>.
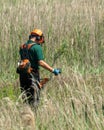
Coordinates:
<point>33,39</point>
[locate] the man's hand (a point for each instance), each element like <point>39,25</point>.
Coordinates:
<point>56,71</point>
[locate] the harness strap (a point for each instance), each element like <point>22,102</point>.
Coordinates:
<point>28,46</point>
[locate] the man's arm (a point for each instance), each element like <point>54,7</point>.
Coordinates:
<point>45,65</point>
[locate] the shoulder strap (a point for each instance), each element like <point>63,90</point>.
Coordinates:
<point>24,50</point>
<point>28,46</point>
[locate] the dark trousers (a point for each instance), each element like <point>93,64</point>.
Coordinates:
<point>26,84</point>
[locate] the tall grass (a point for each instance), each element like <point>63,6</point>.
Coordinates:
<point>74,42</point>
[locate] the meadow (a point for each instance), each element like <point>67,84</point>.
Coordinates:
<point>74,41</point>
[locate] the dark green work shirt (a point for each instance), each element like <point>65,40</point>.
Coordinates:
<point>35,54</point>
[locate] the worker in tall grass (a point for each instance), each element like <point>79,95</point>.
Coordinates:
<point>36,58</point>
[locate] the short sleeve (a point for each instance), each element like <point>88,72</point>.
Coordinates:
<point>39,52</point>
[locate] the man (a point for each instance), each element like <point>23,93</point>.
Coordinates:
<point>35,53</point>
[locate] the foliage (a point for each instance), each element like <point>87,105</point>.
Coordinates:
<point>74,35</point>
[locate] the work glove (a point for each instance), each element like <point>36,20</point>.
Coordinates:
<point>56,71</point>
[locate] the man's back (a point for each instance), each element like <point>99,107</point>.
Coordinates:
<point>35,54</point>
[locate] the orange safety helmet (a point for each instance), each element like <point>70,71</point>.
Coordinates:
<point>39,35</point>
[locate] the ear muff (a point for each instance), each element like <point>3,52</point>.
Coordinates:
<point>38,38</point>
